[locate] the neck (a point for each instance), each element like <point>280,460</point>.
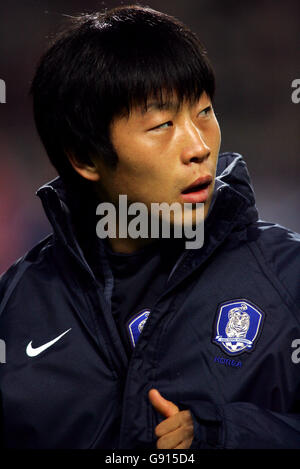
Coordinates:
<point>128,245</point>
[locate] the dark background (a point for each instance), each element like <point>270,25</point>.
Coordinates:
<point>254,47</point>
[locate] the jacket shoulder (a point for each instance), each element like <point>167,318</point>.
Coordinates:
<point>10,279</point>
<point>279,248</point>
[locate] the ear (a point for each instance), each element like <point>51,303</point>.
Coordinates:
<point>87,171</point>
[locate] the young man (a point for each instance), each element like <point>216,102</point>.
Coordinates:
<point>140,342</point>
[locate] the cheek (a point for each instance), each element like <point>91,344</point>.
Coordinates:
<point>217,132</point>
<point>135,176</point>
<point>140,161</point>
<point>214,143</point>
<point>133,169</point>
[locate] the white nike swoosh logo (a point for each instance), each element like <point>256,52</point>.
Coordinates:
<point>33,352</point>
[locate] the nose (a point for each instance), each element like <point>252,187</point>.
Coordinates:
<point>195,148</point>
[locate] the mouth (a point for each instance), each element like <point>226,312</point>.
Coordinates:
<point>198,185</point>
<point>198,191</point>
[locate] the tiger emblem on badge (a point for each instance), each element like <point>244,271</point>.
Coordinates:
<point>237,326</point>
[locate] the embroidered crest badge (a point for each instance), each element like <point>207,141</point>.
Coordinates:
<point>136,325</point>
<point>237,326</point>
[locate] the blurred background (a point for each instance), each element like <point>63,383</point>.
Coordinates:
<point>254,47</point>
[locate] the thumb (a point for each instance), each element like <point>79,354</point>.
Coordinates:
<point>164,407</point>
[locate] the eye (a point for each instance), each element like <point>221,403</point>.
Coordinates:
<point>162,126</point>
<point>205,112</point>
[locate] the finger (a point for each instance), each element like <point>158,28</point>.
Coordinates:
<point>162,405</point>
<point>170,440</point>
<point>184,445</point>
<point>181,419</point>
<point>180,438</point>
<point>168,425</point>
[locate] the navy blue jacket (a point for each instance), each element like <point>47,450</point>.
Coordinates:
<point>218,340</point>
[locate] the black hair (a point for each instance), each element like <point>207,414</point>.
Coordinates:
<point>104,64</point>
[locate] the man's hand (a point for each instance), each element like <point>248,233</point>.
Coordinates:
<point>177,430</point>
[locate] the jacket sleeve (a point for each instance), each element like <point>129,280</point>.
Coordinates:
<point>241,425</point>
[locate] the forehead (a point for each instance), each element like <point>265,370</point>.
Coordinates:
<point>162,102</point>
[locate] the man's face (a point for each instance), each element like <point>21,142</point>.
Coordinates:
<point>161,152</point>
